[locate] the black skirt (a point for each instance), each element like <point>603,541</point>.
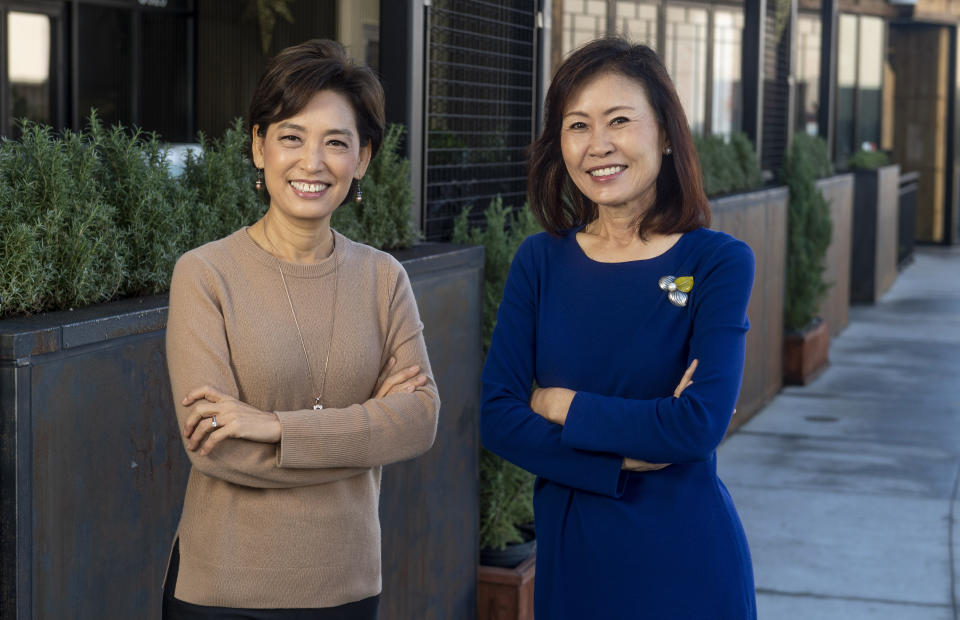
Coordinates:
<point>175,609</point>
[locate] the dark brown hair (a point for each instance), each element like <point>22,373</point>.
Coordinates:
<point>299,72</point>
<point>558,204</point>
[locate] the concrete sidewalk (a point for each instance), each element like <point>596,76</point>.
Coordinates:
<point>848,487</point>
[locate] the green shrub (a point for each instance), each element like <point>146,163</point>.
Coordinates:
<point>90,216</point>
<point>382,219</point>
<point>809,230</point>
<point>60,247</point>
<point>728,165</point>
<point>751,175</point>
<point>503,231</point>
<point>151,208</point>
<point>814,152</point>
<point>868,160</point>
<point>222,180</point>
<point>506,491</point>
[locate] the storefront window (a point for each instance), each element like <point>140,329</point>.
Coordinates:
<point>637,21</point>
<point>870,82</point>
<point>727,52</point>
<point>686,60</point>
<point>165,87</point>
<point>846,87</point>
<point>29,47</point>
<point>358,29</point>
<point>808,74</point>
<point>859,85</point>
<point>105,64</point>
<point>583,21</point>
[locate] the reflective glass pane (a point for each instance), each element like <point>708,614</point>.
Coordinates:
<point>583,21</point>
<point>846,88</point>
<point>727,51</point>
<point>808,74</point>
<point>637,21</point>
<point>29,68</point>
<point>164,86</point>
<point>105,64</point>
<point>870,81</point>
<point>686,59</point>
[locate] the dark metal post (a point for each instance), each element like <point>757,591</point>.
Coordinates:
<point>402,44</point>
<point>754,14</point>
<point>952,182</point>
<point>828,71</point>
<point>791,76</point>
<point>611,17</point>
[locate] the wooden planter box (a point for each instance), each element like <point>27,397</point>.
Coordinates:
<point>506,593</point>
<point>760,219</point>
<point>806,354</point>
<point>838,190</point>
<point>93,470</point>
<point>875,237</point>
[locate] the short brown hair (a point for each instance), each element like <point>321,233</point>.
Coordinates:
<point>558,204</point>
<point>299,72</point>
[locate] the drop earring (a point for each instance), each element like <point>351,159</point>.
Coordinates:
<point>259,183</point>
<point>359,195</point>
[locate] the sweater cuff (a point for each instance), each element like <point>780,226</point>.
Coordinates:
<point>312,439</point>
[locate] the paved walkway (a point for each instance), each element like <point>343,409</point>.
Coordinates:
<point>848,487</point>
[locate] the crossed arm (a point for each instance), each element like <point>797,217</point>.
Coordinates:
<point>553,404</point>
<point>239,420</point>
<point>266,449</point>
<point>585,440</point>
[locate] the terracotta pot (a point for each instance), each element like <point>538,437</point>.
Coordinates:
<point>805,353</point>
<point>506,593</point>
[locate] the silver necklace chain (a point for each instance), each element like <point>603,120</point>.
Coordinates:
<point>333,317</point>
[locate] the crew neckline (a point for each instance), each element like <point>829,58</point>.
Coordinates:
<point>636,261</point>
<point>296,270</point>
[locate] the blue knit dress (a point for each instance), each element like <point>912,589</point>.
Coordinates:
<point>666,544</point>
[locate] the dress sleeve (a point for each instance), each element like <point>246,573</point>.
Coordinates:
<point>198,354</point>
<point>508,426</point>
<point>397,427</point>
<point>689,428</point>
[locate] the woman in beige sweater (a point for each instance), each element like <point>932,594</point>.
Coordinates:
<point>284,342</point>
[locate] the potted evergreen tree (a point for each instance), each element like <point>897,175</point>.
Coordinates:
<point>809,229</point>
<point>507,539</point>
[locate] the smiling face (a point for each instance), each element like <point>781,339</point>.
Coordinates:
<point>612,144</point>
<point>310,159</point>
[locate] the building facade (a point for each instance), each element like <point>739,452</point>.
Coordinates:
<point>467,77</point>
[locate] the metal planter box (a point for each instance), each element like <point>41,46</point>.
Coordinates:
<point>93,469</point>
<point>875,236</point>
<point>759,219</point>
<point>835,310</point>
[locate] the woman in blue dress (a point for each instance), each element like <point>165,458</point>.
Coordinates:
<point>611,312</point>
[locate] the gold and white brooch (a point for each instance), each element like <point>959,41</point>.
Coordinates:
<point>677,289</point>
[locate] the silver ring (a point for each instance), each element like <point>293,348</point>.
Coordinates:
<point>213,422</point>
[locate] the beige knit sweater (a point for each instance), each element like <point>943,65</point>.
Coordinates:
<point>293,524</point>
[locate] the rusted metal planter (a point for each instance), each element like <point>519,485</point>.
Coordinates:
<point>93,469</point>
<point>875,237</point>
<point>759,218</point>
<point>806,354</point>
<point>506,593</point>
<point>835,309</point>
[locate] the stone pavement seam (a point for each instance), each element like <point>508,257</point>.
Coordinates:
<point>835,438</point>
<point>860,599</point>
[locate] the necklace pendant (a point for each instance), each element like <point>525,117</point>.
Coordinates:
<point>317,406</point>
